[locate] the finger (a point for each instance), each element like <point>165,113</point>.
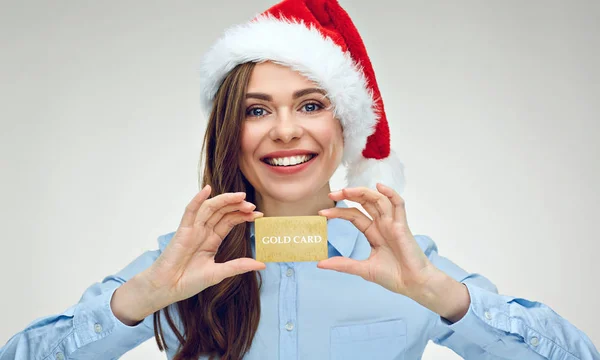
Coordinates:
<point>192,208</point>
<point>355,216</point>
<point>212,205</point>
<point>378,200</point>
<point>399,206</point>
<point>345,265</point>
<point>230,220</point>
<point>244,206</point>
<point>343,195</point>
<point>237,267</point>
<point>376,204</point>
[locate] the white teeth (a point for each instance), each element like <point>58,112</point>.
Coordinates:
<point>289,161</point>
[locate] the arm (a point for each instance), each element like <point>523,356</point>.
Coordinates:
<point>88,329</point>
<point>488,325</point>
<point>496,325</point>
<point>105,324</point>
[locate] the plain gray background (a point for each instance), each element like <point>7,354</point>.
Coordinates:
<point>493,108</point>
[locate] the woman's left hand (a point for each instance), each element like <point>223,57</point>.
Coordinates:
<point>396,261</point>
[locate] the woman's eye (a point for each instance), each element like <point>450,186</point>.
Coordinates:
<point>311,107</point>
<point>256,112</point>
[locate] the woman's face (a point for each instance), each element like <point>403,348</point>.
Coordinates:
<point>291,143</point>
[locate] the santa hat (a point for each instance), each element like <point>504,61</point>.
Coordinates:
<point>318,39</point>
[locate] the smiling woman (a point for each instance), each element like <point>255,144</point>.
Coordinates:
<point>290,96</point>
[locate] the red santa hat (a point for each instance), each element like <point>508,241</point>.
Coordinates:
<point>318,39</point>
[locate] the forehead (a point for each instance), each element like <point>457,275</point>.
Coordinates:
<point>271,77</point>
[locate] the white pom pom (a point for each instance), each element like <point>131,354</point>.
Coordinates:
<point>369,172</point>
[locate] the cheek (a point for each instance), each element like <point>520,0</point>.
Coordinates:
<point>248,142</point>
<point>336,142</point>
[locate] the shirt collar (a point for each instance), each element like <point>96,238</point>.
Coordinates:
<point>341,233</point>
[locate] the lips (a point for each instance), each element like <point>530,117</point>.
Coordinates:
<point>287,153</point>
<point>286,162</point>
<point>288,157</point>
<point>289,160</point>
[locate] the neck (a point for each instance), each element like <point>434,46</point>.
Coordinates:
<point>309,205</point>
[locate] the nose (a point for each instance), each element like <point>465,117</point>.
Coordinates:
<point>286,128</point>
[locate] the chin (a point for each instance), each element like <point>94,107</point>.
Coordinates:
<point>291,192</point>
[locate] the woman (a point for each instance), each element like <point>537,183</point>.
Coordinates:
<point>289,102</point>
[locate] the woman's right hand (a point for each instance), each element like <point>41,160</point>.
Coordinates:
<point>187,264</point>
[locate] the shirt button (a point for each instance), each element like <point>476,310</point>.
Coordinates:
<point>289,272</point>
<point>98,328</point>
<point>488,315</point>
<point>289,326</point>
<point>60,356</point>
<point>534,341</point>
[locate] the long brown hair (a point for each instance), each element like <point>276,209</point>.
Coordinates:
<point>222,319</point>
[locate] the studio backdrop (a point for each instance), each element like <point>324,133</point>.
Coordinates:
<point>493,108</point>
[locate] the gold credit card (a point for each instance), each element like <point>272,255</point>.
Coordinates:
<point>290,238</point>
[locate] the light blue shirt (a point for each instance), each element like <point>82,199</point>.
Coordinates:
<point>310,313</point>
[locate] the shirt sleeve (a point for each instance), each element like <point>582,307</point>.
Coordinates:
<point>504,327</point>
<point>86,330</point>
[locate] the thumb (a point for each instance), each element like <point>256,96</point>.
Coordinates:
<point>237,267</point>
<point>345,265</point>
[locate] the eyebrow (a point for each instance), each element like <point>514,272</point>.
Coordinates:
<point>297,94</point>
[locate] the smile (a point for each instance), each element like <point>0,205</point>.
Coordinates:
<point>289,160</point>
